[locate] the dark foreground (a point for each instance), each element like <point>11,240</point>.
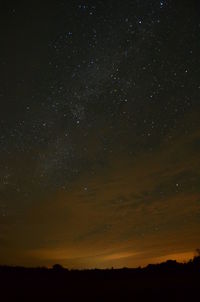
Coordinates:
<point>169,281</point>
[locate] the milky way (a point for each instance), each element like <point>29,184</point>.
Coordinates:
<point>99,132</point>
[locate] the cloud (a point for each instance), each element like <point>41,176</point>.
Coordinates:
<point>131,212</point>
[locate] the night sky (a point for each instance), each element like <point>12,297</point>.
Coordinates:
<point>99,132</point>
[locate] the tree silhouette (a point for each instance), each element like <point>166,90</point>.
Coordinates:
<point>57,267</point>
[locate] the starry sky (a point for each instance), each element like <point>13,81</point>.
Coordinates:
<point>99,132</point>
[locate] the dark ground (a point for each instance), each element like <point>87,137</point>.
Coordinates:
<point>169,281</point>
